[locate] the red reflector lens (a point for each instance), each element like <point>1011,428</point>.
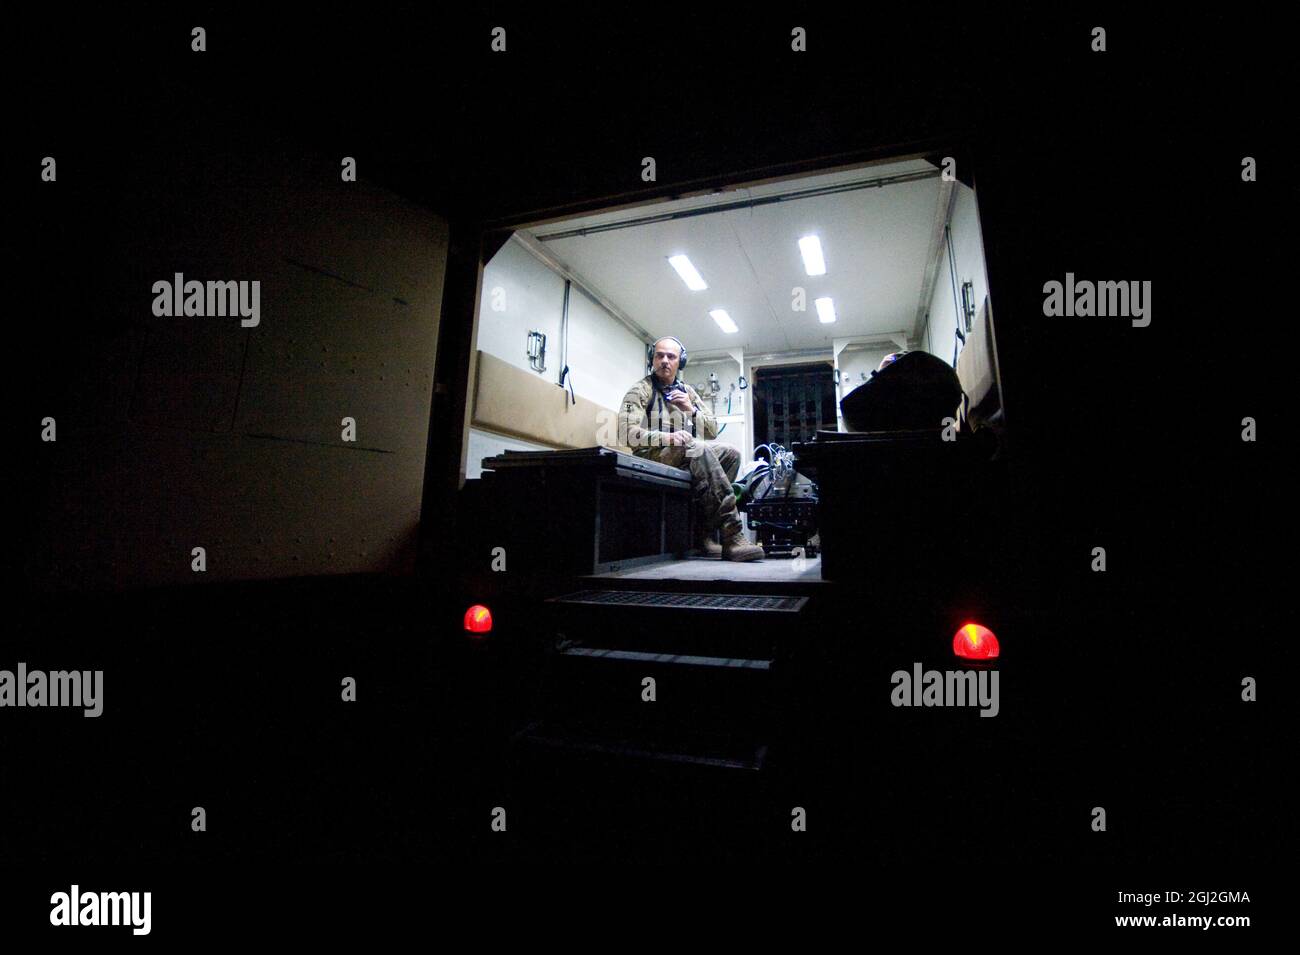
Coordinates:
<point>478,619</point>
<point>974,642</point>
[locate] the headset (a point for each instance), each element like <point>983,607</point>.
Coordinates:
<point>650,351</point>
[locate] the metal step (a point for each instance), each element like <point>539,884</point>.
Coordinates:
<point>599,689</point>
<point>672,659</point>
<point>728,754</point>
<point>723,626</point>
<point>686,601</point>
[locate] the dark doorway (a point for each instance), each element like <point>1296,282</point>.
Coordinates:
<point>793,402</point>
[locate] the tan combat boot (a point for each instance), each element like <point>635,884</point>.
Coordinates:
<point>737,547</point>
<point>708,546</point>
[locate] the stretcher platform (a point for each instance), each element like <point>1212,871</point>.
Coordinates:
<point>588,510</point>
<point>771,569</point>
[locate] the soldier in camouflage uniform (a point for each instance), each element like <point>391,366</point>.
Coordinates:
<point>664,419</point>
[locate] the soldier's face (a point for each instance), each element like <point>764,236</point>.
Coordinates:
<point>667,355</point>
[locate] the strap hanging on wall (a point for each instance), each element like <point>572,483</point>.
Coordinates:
<point>564,343</point>
<point>956,300</point>
<point>563,375</point>
<point>564,330</point>
<point>952,274</point>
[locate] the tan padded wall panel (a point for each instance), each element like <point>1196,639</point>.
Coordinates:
<point>975,363</point>
<point>511,401</point>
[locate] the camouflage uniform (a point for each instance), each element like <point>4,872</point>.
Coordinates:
<point>645,420</point>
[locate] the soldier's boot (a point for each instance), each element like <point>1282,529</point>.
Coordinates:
<point>735,546</point>
<point>708,546</point>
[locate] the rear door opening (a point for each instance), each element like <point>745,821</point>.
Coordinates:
<point>798,290</point>
<point>787,295</point>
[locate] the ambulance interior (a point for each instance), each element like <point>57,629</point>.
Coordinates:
<point>787,295</point>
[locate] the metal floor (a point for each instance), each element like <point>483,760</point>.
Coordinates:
<point>714,568</point>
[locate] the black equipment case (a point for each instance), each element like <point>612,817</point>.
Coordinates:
<point>905,507</point>
<point>586,511</point>
<point>916,391</point>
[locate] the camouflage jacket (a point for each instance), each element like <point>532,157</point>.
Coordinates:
<point>645,419</point>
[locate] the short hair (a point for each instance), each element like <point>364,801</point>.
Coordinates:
<point>670,338</point>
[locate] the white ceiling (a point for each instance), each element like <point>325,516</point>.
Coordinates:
<point>876,242</point>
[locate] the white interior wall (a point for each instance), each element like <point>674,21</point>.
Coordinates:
<point>521,294</point>
<point>968,251</point>
<point>605,358</point>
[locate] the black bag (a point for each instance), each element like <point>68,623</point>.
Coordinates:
<point>915,392</point>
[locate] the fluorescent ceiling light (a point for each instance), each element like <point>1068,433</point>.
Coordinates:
<point>811,248</point>
<point>825,310</point>
<point>687,271</point>
<point>724,321</point>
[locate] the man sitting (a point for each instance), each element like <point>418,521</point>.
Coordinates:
<point>664,420</point>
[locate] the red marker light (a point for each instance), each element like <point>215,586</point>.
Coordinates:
<point>478,619</point>
<point>974,642</point>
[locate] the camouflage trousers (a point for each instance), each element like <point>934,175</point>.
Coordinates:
<point>713,466</point>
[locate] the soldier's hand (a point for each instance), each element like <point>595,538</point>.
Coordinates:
<point>682,402</point>
<point>679,437</point>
